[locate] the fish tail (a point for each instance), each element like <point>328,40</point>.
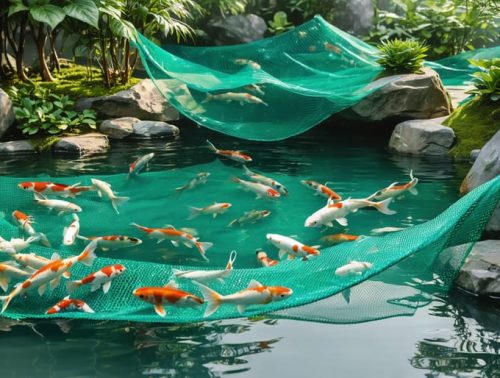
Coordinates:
<point>39,196</point>
<point>211,146</point>
<point>235,179</point>
<point>82,237</point>
<point>43,239</point>
<point>208,98</point>
<point>233,223</point>
<point>117,201</point>
<point>194,212</point>
<point>230,262</point>
<point>72,286</point>
<point>7,298</point>
<point>411,174</point>
<point>211,297</point>
<point>383,207</point>
<point>86,308</point>
<point>248,172</point>
<point>87,256</point>
<point>142,228</point>
<point>203,247</point>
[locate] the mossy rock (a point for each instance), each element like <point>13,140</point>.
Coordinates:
<point>43,144</point>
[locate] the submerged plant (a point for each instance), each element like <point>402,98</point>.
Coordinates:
<point>399,56</point>
<point>486,81</point>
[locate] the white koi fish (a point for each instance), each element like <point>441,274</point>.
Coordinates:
<point>261,190</point>
<point>104,189</point>
<point>321,190</point>
<point>70,233</point>
<point>8,273</point>
<point>68,304</point>
<point>238,156</point>
<point>247,62</point>
<point>15,245</point>
<point>215,209</point>
<point>200,178</point>
<point>291,247</point>
<point>353,268</point>
<point>241,97</point>
<point>59,205</point>
<point>113,241</point>
<point>101,278</point>
<point>250,217</point>
<point>25,222</point>
<point>255,177</point>
<point>137,166</point>
<point>254,294</point>
<point>396,189</point>
<point>385,230</point>
<point>204,276</point>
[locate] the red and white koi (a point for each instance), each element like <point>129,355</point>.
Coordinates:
<point>238,156</point>
<point>200,178</point>
<point>60,190</point>
<point>103,189</point>
<point>113,241</point>
<point>138,165</point>
<point>71,232</point>
<point>50,274</point>
<point>291,247</point>
<point>255,177</point>
<point>59,205</point>
<point>167,295</point>
<point>101,278</point>
<point>250,217</point>
<point>68,304</point>
<point>247,62</point>
<point>25,222</point>
<point>339,238</point>
<point>321,190</point>
<point>261,190</point>
<point>264,260</point>
<point>396,189</point>
<point>215,209</point>
<point>204,276</point>
<point>8,273</point>
<point>176,237</point>
<point>353,268</point>
<point>254,294</point>
<point>241,97</point>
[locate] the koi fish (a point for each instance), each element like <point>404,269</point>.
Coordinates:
<point>16,244</point>
<point>241,97</point>
<point>339,238</point>
<point>169,294</point>
<point>255,177</point>
<point>32,261</point>
<point>60,190</point>
<point>200,178</point>
<point>68,304</point>
<point>250,217</point>
<point>260,190</point>
<point>254,294</point>
<point>204,276</point>
<point>230,154</point>
<point>291,247</point>
<point>176,237</point>
<point>113,241</point>
<point>104,189</point>
<point>50,274</point>
<point>137,166</point>
<point>353,268</point>
<point>215,209</point>
<point>321,190</point>
<point>70,233</point>
<point>385,230</point>
<point>396,189</point>
<point>25,221</point>
<point>101,278</point>
<point>338,211</point>
<point>9,272</point>
<point>332,48</point>
<point>247,62</point>
<point>59,205</point>
<point>264,260</point>
<point>255,88</point>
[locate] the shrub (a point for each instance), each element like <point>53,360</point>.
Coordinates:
<point>398,56</point>
<point>487,81</point>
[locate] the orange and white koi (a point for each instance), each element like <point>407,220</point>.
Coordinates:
<point>200,178</point>
<point>353,268</point>
<point>60,190</point>
<point>255,177</point>
<point>247,62</point>
<point>68,304</point>
<point>291,247</point>
<point>138,165</point>
<point>113,241</point>
<point>241,97</point>
<point>250,217</point>
<point>59,205</point>
<point>215,209</point>
<point>9,272</point>
<point>101,278</point>
<point>70,233</point>
<point>264,260</point>
<point>25,222</point>
<point>254,294</point>
<point>103,189</point>
<point>167,295</point>
<point>50,273</point>
<point>204,276</point>
<point>396,189</point>
<point>33,261</point>
<point>339,238</point>
<point>238,156</point>
<point>261,190</point>
<point>332,48</point>
<point>321,190</point>
<point>176,237</point>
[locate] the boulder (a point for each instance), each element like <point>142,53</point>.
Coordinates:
<point>421,137</point>
<point>236,29</point>
<point>17,146</point>
<point>142,101</point>
<point>154,129</point>
<point>473,155</point>
<point>118,128</point>
<point>82,144</point>
<point>481,272</point>
<point>485,168</point>
<point>6,112</point>
<point>412,96</point>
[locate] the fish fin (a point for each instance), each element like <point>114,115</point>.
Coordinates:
<point>233,223</point>
<point>41,289</point>
<point>342,221</point>
<point>160,241</point>
<point>55,283</point>
<point>346,294</point>
<point>176,272</point>
<point>117,201</point>
<point>241,308</point>
<point>329,224</point>
<point>383,207</point>
<point>210,145</point>
<point>203,247</point>
<point>4,283</point>
<point>211,297</point>
<point>105,287</point>
<point>194,212</point>
<point>174,242</point>
<point>171,284</point>
<point>39,196</point>
<point>94,287</point>
<point>214,215</point>
<point>411,174</point>
<point>282,253</point>
<point>72,286</point>
<point>413,191</point>
<point>55,256</point>
<point>160,310</point>
<point>290,257</point>
<point>82,237</point>
<point>230,262</point>
<point>6,300</point>
<point>248,172</point>
<point>43,239</point>
<point>86,308</point>
<point>105,248</point>
<point>88,256</point>
<point>220,280</point>
<point>60,213</point>
<point>254,284</point>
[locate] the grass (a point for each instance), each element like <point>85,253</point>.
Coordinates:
<point>474,124</point>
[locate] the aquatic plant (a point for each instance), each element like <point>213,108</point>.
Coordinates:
<point>486,82</point>
<point>399,56</point>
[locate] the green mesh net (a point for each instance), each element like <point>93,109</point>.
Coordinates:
<point>298,79</point>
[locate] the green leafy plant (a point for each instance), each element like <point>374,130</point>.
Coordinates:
<point>38,111</point>
<point>486,81</point>
<point>279,23</point>
<point>399,56</point>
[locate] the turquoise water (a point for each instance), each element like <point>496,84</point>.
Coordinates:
<point>450,335</point>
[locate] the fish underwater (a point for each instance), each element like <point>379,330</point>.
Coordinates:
<point>255,177</point>
<point>251,216</point>
<point>100,279</point>
<point>396,189</point>
<point>264,260</point>
<point>113,241</point>
<point>261,190</point>
<point>68,304</point>
<point>241,97</point>
<point>25,222</point>
<point>138,165</point>
<point>339,238</point>
<point>200,178</point>
<point>355,268</point>
<point>215,209</point>
<point>204,276</point>
<point>247,62</point>
<point>60,190</point>
<point>291,247</point>
<point>70,233</point>
<point>9,272</point>
<point>35,262</point>
<point>321,190</point>
<point>237,156</point>
<point>60,206</point>
<point>255,88</point>
<point>103,189</point>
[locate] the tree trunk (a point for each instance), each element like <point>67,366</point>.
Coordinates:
<point>54,58</point>
<point>126,71</point>
<point>40,40</point>
<point>20,49</point>
<point>105,69</point>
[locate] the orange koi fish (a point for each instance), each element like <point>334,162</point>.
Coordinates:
<point>264,260</point>
<point>261,190</point>
<point>230,154</point>
<point>291,247</point>
<point>396,189</point>
<point>339,238</point>
<point>215,209</point>
<point>101,278</point>
<point>25,222</point>
<point>68,304</point>
<point>321,190</point>
<point>55,189</point>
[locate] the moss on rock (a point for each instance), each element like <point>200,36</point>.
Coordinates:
<point>43,144</point>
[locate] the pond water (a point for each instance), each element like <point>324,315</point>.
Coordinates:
<point>454,335</point>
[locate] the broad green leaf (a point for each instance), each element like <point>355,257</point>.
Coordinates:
<point>83,10</point>
<point>17,7</point>
<point>48,14</point>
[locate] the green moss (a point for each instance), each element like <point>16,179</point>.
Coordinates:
<point>474,124</point>
<point>43,144</point>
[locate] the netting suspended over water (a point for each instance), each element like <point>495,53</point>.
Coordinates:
<point>297,79</point>
<point>407,265</point>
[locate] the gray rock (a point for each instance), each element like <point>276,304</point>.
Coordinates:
<point>6,113</point>
<point>485,168</point>
<point>118,128</point>
<point>481,272</point>
<point>236,29</point>
<point>17,146</point>
<point>82,144</point>
<point>412,96</point>
<point>154,129</point>
<point>421,137</point>
<point>142,101</point>
<point>473,155</point>
<point>84,103</point>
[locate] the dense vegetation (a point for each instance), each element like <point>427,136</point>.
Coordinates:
<point>398,56</point>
